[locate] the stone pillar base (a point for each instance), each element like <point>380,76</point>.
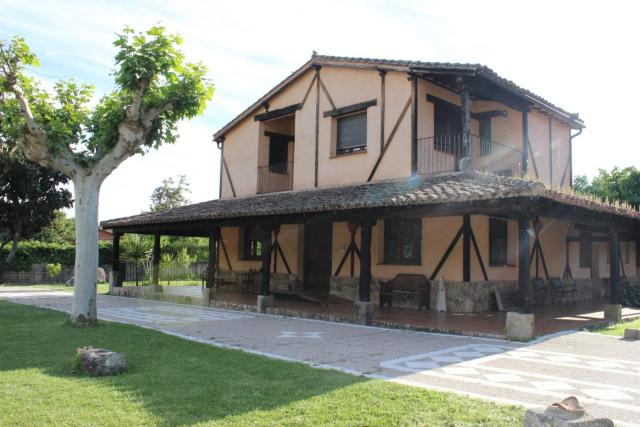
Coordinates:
<point>364,312</point>
<point>613,312</point>
<point>520,327</point>
<point>264,302</point>
<point>632,334</point>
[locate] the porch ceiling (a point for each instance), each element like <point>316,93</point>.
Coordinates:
<point>453,193</point>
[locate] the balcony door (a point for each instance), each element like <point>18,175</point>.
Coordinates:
<point>279,153</point>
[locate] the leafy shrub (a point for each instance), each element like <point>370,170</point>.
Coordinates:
<point>53,270</point>
<point>34,252</point>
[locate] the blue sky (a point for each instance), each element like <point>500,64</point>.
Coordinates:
<point>581,56</point>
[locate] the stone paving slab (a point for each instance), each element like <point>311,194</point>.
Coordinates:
<point>602,371</point>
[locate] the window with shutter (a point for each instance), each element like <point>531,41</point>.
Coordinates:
<point>498,242</point>
<point>402,241</point>
<point>352,133</point>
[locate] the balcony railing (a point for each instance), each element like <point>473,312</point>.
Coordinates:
<point>444,153</point>
<point>275,177</point>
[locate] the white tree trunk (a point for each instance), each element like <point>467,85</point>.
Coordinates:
<point>87,192</point>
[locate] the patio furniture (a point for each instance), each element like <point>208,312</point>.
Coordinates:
<point>408,283</point>
<point>248,281</point>
<point>541,292</point>
<point>561,289</point>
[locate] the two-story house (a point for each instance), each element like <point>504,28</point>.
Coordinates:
<point>352,171</point>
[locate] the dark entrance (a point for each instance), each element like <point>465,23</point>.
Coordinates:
<point>317,257</point>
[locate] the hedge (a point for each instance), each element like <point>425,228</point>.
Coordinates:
<point>34,252</point>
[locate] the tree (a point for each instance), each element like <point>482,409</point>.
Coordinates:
<point>155,88</point>
<point>170,194</point>
<point>621,185</point>
<point>61,229</point>
<point>29,194</point>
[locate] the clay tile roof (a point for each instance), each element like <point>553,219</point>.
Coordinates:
<point>416,191</point>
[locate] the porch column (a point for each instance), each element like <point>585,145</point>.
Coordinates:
<point>466,123</point>
<point>155,259</point>
<point>364,284</point>
<point>525,141</point>
<point>212,260</point>
<point>524,268</point>
<point>266,261</point>
<point>614,267</point>
<point>466,248</point>
<point>115,266</point>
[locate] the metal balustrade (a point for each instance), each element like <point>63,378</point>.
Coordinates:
<point>275,177</point>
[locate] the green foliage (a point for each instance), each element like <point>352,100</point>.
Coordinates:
<point>621,185</point>
<point>33,252</point>
<point>53,270</point>
<point>60,230</point>
<point>170,194</point>
<point>147,63</point>
<point>136,247</point>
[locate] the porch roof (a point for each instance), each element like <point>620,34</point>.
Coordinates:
<point>444,194</point>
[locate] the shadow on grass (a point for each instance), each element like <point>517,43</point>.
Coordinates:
<point>179,381</point>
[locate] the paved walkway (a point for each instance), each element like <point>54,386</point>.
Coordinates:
<point>603,372</point>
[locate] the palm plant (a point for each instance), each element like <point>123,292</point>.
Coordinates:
<point>137,248</point>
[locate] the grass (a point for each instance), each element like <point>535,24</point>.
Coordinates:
<point>172,381</point>
<point>618,328</point>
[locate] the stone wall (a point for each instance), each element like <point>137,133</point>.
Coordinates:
<point>38,274</point>
<point>347,287</point>
<point>470,297</point>
<point>193,295</point>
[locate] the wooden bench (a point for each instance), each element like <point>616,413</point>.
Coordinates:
<point>410,283</point>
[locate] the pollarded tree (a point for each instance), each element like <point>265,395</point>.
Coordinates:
<point>155,88</point>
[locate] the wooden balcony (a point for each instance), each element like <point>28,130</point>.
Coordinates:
<point>275,177</point>
<point>448,153</point>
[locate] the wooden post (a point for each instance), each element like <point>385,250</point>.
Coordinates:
<point>212,261</point>
<point>155,259</point>
<point>466,248</point>
<point>525,141</point>
<point>266,261</point>
<point>115,266</point>
<point>524,269</point>
<point>382,73</point>
<point>614,267</point>
<point>364,288</point>
<point>466,122</point>
<point>414,124</point>
<point>317,130</point>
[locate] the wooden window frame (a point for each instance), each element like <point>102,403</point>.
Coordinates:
<point>352,150</point>
<point>413,234</point>
<point>246,242</point>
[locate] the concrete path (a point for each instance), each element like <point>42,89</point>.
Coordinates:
<point>602,371</point>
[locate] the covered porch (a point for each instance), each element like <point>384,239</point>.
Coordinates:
<point>309,292</point>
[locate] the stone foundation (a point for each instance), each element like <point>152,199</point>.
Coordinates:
<point>347,287</point>
<point>470,297</point>
<point>193,295</point>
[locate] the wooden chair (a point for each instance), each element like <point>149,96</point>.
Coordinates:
<point>408,283</point>
<point>560,290</point>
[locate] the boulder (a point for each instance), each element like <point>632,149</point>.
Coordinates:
<point>99,362</point>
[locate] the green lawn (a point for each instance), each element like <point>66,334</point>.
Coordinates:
<point>103,288</point>
<point>618,328</point>
<point>172,381</point>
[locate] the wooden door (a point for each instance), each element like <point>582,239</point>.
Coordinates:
<point>317,257</point>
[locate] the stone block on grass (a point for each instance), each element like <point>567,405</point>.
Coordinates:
<point>632,334</point>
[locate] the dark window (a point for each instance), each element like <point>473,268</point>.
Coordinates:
<point>252,243</point>
<point>585,249</point>
<point>402,241</point>
<point>498,241</point>
<point>447,128</point>
<point>485,136</point>
<point>352,133</point>
<point>278,154</point>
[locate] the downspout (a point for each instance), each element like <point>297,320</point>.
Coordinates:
<point>571,155</point>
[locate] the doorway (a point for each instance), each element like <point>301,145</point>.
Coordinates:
<point>317,257</point>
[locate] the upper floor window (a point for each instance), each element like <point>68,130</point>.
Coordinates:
<point>402,241</point>
<point>252,243</point>
<point>351,133</point>
<point>498,242</point>
<point>447,128</point>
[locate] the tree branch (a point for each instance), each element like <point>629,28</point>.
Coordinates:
<point>152,113</point>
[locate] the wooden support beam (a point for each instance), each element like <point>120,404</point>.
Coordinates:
<point>280,112</point>
<point>414,124</point>
<point>266,261</point>
<point>465,99</point>
<point>361,106</point>
<point>383,74</point>
<point>446,254</point>
<point>364,285</point>
<point>614,266</point>
<point>226,168</point>
<point>524,271</point>
<point>389,139</point>
<point>115,266</point>
<point>550,151</point>
<point>212,261</point>
<point>317,130</point>
<point>466,248</point>
<point>525,141</point>
<point>155,259</point>
<point>479,255</point>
